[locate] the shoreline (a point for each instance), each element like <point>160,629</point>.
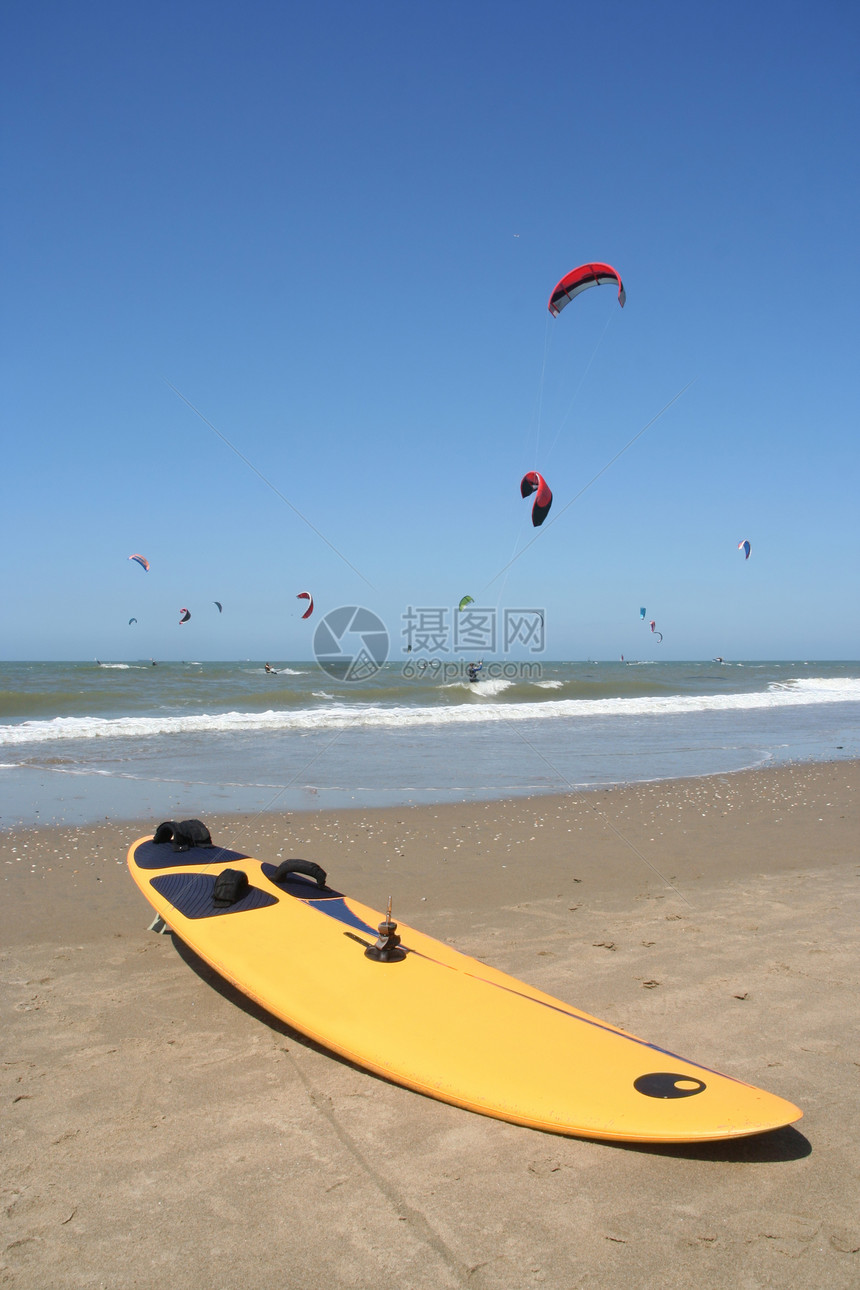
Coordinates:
<point>146,1101</point>
<point>142,798</point>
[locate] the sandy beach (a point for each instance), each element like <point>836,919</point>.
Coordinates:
<point>160,1131</point>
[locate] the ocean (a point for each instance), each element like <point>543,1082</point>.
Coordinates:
<point>81,742</point>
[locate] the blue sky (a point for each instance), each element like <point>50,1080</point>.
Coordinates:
<point>335,228</point>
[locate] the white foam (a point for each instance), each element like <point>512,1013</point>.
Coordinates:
<point>485,689</point>
<point>489,688</point>
<point>341,716</point>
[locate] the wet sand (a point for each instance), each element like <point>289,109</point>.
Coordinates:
<point>160,1131</point>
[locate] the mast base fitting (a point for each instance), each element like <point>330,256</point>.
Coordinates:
<point>387,948</point>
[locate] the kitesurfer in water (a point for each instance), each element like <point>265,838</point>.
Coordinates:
<point>270,669</point>
<point>474,669</point>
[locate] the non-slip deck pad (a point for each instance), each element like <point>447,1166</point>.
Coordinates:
<point>192,894</point>
<point>148,855</point>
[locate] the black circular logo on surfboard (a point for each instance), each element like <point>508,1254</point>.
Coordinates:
<point>667,1084</point>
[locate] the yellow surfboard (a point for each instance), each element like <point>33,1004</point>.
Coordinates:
<point>439,1022</point>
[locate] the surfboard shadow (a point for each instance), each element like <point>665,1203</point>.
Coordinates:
<point>773,1147</point>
